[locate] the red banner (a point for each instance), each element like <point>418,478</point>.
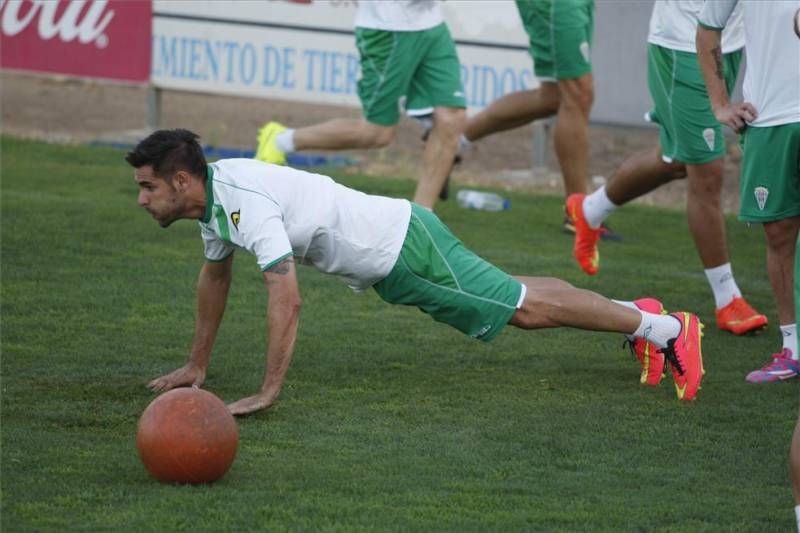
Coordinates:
<point>108,39</point>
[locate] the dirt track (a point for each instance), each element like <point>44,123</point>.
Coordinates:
<point>66,110</point>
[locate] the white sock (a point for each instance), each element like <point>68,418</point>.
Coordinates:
<point>630,305</point>
<point>285,141</point>
<point>658,329</point>
<point>789,333</point>
<point>597,206</point>
<point>463,144</point>
<point>723,285</point>
<point>797,516</point>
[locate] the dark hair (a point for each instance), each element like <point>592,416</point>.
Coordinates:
<point>169,151</point>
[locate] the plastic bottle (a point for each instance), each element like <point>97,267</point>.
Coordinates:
<point>485,201</point>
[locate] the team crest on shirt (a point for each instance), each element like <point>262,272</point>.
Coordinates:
<point>584,48</point>
<point>708,136</point>
<point>235,217</point>
<point>761,194</point>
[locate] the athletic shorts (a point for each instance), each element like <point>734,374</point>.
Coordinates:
<point>689,131</point>
<point>438,274</point>
<point>407,65</point>
<point>560,36</point>
<point>769,187</point>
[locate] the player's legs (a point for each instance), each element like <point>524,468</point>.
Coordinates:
<point>704,212</point>
<point>440,148</point>
<point>571,134</point>
<point>513,111</point>
<point>781,244</point>
<point>343,134</point>
<point>437,80</point>
<point>640,174</point>
<point>388,62</point>
<point>551,302</point>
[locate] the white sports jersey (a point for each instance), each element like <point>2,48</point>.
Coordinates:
<point>772,77</point>
<point>275,212</point>
<point>399,15</point>
<point>673,25</point>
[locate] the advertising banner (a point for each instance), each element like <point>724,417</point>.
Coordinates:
<point>305,49</point>
<point>107,39</point>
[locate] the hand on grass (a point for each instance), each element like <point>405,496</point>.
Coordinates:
<point>736,116</point>
<point>189,374</point>
<point>251,404</point>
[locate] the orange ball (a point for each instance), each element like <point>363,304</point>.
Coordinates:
<point>187,435</point>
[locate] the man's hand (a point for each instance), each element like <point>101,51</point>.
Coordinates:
<point>189,374</point>
<point>251,404</point>
<point>735,115</point>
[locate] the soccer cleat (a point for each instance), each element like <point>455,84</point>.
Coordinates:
<point>782,367</point>
<point>606,233</point>
<point>684,355</point>
<point>586,237</point>
<point>648,354</point>
<point>268,151</point>
<point>739,318</point>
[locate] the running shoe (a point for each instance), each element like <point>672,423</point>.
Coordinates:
<point>684,355</point>
<point>268,151</point>
<point>739,318</point>
<point>648,354</point>
<point>586,237</point>
<point>782,367</point>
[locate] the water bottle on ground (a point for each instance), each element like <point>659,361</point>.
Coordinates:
<point>484,201</point>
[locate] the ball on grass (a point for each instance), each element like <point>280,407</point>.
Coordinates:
<point>187,435</point>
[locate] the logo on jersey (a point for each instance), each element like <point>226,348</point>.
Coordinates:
<point>708,136</point>
<point>235,217</point>
<point>761,194</point>
<point>585,51</point>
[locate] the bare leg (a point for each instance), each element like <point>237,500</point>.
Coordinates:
<point>513,111</point>
<point>448,123</point>
<point>551,302</point>
<point>704,212</point>
<point>781,243</point>
<point>572,132</point>
<point>343,134</point>
<point>640,174</point>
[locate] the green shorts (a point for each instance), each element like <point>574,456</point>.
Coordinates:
<point>407,65</point>
<point>438,274</point>
<point>769,187</point>
<point>689,131</point>
<point>560,36</point>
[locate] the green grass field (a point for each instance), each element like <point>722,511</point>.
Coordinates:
<point>388,420</point>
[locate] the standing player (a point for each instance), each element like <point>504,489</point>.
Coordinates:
<point>560,35</point>
<point>692,146</point>
<point>406,50</point>
<point>769,120</point>
<point>400,249</point>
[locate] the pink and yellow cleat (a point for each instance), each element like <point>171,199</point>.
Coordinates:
<point>685,356</point>
<point>648,354</point>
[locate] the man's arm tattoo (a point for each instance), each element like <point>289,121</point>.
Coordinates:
<point>716,52</point>
<point>281,268</point>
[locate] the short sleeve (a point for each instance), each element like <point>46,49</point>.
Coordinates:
<point>214,248</point>
<point>266,238</point>
<point>715,14</point>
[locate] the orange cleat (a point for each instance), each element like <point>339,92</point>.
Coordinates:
<point>648,354</point>
<point>739,318</point>
<point>685,356</point>
<point>586,237</point>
